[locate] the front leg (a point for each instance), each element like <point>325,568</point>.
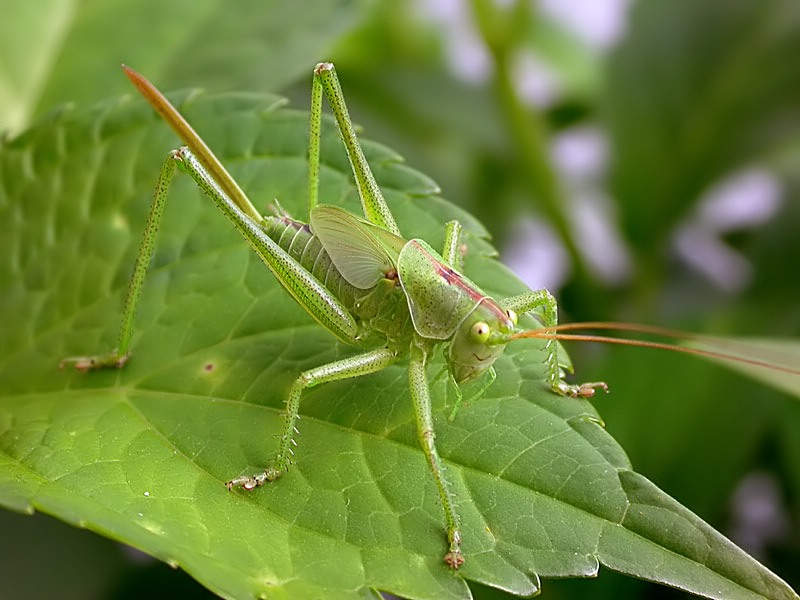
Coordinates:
<point>451,253</point>
<point>355,366</point>
<point>544,300</point>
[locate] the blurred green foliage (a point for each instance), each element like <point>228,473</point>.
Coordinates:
<point>691,93</point>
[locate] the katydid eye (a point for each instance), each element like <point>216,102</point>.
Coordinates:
<point>480,332</point>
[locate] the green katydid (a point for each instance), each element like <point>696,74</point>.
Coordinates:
<point>361,280</point>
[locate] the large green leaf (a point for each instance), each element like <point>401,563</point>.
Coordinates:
<point>141,454</point>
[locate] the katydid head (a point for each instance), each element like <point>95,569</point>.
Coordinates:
<point>479,340</point>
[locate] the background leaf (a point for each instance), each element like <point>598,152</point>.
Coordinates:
<point>63,51</point>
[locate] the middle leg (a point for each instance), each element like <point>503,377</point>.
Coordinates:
<point>354,366</point>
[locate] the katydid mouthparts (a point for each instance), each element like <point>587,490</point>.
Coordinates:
<point>396,299</point>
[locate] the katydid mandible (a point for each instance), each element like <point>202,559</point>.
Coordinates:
<point>358,278</point>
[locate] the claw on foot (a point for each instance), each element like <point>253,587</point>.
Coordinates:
<point>245,482</point>
<point>454,559</point>
<point>99,361</point>
<point>586,390</point>
<point>248,483</point>
<point>583,390</point>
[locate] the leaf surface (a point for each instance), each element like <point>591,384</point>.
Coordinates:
<point>141,454</point>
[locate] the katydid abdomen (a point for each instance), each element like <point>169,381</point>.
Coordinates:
<point>380,311</point>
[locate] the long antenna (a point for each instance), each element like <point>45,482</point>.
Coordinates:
<point>556,333</point>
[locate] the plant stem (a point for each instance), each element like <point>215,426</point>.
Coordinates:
<point>501,28</point>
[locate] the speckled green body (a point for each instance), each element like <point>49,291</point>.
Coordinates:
<point>381,311</point>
